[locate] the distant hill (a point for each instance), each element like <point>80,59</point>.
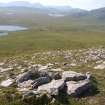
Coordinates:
<point>65,14</point>
<point>51,9</point>
<point>98,13</point>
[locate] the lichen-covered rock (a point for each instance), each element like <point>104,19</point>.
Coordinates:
<point>77,88</point>
<point>53,87</point>
<point>72,76</point>
<point>40,81</point>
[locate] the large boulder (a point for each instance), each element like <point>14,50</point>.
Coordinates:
<point>72,76</point>
<point>77,88</point>
<point>40,81</point>
<point>23,77</point>
<point>53,87</point>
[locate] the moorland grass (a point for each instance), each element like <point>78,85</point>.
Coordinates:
<point>32,41</point>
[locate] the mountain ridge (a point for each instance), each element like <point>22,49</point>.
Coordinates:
<point>69,12</point>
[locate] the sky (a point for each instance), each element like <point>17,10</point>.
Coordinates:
<point>83,4</point>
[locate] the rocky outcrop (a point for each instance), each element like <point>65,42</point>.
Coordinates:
<point>76,83</point>
<point>45,79</point>
<point>37,80</point>
<point>72,76</point>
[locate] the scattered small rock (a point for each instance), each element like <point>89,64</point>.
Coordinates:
<point>7,83</point>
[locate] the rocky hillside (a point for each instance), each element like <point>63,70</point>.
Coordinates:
<point>54,74</point>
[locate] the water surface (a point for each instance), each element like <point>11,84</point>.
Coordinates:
<point>4,29</point>
<point>11,28</point>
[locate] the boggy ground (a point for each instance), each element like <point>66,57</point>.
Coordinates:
<point>79,60</point>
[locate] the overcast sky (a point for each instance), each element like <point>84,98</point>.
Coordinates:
<point>83,4</point>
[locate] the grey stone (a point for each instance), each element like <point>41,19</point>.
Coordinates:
<point>40,81</point>
<point>56,76</point>
<point>77,88</point>
<point>53,87</point>
<point>23,77</point>
<point>25,84</point>
<point>72,76</point>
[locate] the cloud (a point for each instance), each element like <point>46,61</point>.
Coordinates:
<point>87,4</point>
<point>83,4</point>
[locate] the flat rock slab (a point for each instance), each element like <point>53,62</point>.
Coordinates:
<point>77,88</point>
<point>7,83</point>
<point>53,87</point>
<point>73,76</point>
